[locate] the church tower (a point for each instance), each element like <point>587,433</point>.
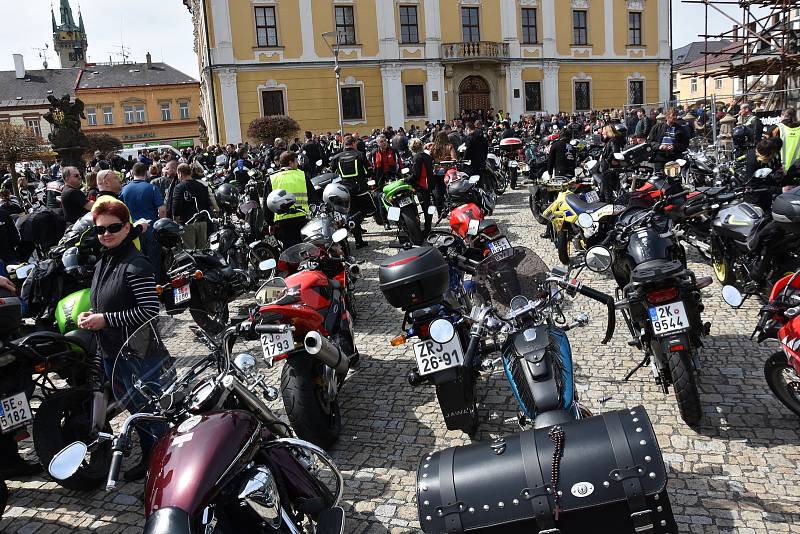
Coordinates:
<point>69,39</point>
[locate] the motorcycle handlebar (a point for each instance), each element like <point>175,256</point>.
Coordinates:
<point>599,296</point>
<point>472,348</point>
<point>113,471</point>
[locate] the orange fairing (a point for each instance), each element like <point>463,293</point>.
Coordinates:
<point>461,216</point>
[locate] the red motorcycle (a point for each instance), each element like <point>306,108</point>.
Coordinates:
<point>222,461</point>
<point>320,350</point>
<point>779,319</point>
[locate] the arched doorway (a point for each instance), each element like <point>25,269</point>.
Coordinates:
<point>474,94</point>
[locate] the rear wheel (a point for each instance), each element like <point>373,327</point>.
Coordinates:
<point>500,182</point>
<point>685,386</point>
<point>410,222</point>
<point>303,387</point>
<point>783,381</point>
<point>513,176</point>
<point>63,418</point>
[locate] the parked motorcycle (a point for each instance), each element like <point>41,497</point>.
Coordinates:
<point>779,319</point>
<point>226,463</point>
<point>321,349</point>
<point>400,204</point>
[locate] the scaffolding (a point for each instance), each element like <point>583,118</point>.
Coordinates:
<point>764,43</point>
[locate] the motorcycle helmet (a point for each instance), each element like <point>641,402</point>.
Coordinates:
<point>226,197</point>
<point>741,136</point>
<point>461,192</point>
<point>620,129</point>
<point>71,259</point>
<point>337,196</point>
<point>168,232</point>
<point>280,201</point>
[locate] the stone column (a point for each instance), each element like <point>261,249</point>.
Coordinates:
<point>433,30</point>
<point>508,24</point>
<point>516,106</point>
<point>550,87</point>
<point>548,11</point>
<point>230,105</point>
<point>223,37</point>
<point>664,44</point>
<point>307,16</point>
<point>393,100</point>
<point>387,35</point>
<point>436,110</point>
<point>608,8</point>
<point>664,82</point>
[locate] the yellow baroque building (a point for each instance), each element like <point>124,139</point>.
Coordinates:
<point>408,61</point>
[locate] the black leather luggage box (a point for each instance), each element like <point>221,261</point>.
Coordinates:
<point>609,479</point>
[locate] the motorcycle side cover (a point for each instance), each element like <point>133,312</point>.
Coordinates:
<point>611,480</point>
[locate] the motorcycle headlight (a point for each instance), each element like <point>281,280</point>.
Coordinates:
<point>260,492</point>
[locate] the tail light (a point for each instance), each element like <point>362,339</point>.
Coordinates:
<point>662,295</point>
<point>491,231</point>
<point>675,348</point>
<point>424,330</point>
<point>179,281</point>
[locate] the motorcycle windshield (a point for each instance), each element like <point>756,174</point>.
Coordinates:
<point>505,275</point>
<point>299,253</point>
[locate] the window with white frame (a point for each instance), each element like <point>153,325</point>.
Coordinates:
<point>91,116</point>
<point>266,26</point>
<point>183,107</point>
<point>415,100</point>
<point>139,109</point>
<point>352,110</point>
<point>718,83</point>
<point>166,111</point>
<point>635,28</point>
<point>130,116</point>
<point>636,92</point>
<point>583,95</point>
<point>34,125</point>
<point>108,115</point>
<point>693,85</point>
<point>533,96</point>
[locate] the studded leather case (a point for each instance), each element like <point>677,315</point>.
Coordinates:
<point>609,478</point>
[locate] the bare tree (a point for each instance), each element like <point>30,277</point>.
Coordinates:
<point>20,143</point>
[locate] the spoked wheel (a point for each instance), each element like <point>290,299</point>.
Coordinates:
<point>63,418</point>
<point>783,381</point>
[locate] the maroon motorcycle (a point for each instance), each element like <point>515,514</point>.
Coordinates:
<point>223,461</point>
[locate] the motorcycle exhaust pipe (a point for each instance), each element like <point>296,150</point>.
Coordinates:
<point>326,352</point>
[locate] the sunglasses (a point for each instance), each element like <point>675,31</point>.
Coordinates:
<point>111,228</point>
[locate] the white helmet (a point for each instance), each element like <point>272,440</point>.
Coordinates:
<point>337,196</point>
<point>279,201</point>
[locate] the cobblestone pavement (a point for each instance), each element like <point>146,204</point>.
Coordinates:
<point>737,473</point>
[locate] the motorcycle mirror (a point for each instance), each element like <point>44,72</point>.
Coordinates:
<point>432,211</point>
<point>598,259</point>
<point>319,163</point>
<point>394,214</point>
<point>272,290</point>
<point>762,173</point>
<point>472,229</point>
<point>442,331</point>
<point>67,461</point>
<point>405,170</point>
<point>474,179</point>
<point>339,235</point>
<point>267,265</point>
<point>585,221</point>
<point>732,296</point>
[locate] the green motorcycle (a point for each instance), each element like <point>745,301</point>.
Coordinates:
<point>400,202</point>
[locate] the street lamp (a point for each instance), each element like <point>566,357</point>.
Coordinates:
<point>337,70</point>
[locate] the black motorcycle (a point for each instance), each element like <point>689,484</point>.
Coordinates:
<point>660,300</point>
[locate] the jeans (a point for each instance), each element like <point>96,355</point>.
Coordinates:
<point>133,380</point>
<point>195,236</point>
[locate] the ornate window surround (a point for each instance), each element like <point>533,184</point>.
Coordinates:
<point>272,85</point>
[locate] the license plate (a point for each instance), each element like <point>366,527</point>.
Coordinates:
<point>275,345</point>
<point>182,294</point>
<point>500,245</point>
<point>405,202</point>
<point>591,196</point>
<point>433,357</point>
<point>669,318</point>
<point>14,412</point>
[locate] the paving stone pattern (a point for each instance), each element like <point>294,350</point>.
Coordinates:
<point>737,473</point>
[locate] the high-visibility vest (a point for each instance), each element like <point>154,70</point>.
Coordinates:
<point>349,159</point>
<point>790,151</point>
<point>292,181</point>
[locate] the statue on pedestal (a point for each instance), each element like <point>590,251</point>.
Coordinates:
<point>68,141</point>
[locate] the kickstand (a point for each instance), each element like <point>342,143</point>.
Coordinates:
<point>641,364</point>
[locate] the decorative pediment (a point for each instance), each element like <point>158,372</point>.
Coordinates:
<point>580,4</point>
<point>350,80</point>
<point>635,5</point>
<point>529,3</point>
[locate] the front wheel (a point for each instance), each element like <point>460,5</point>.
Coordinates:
<point>513,175</point>
<point>304,389</point>
<point>685,386</point>
<point>721,263</point>
<point>500,182</point>
<point>410,222</point>
<point>564,246</point>
<point>783,381</point>
<point>63,418</point>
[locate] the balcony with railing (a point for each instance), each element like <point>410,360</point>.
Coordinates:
<point>478,50</point>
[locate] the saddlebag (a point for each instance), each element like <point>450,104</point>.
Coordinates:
<point>610,479</point>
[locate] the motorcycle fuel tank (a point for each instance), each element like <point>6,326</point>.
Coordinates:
<point>737,221</point>
<point>189,460</point>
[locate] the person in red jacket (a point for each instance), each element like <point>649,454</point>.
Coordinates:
<point>386,162</point>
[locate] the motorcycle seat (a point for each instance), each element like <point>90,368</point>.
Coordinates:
<point>579,205</point>
<point>41,336</point>
<point>83,338</point>
<point>655,270</point>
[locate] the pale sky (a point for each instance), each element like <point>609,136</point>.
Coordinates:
<point>163,28</point>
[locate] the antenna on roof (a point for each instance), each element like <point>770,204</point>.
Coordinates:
<point>43,52</point>
<point>124,52</point>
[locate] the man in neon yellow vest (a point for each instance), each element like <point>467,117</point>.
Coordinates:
<point>789,132</point>
<point>286,226</point>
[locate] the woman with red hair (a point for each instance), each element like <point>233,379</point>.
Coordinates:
<point>123,298</point>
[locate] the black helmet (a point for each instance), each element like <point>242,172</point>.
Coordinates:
<point>741,137</point>
<point>168,232</point>
<point>226,197</point>
<point>462,191</point>
<point>620,129</point>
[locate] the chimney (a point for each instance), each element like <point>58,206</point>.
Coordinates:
<point>19,66</point>
<point>735,32</point>
<point>149,60</point>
